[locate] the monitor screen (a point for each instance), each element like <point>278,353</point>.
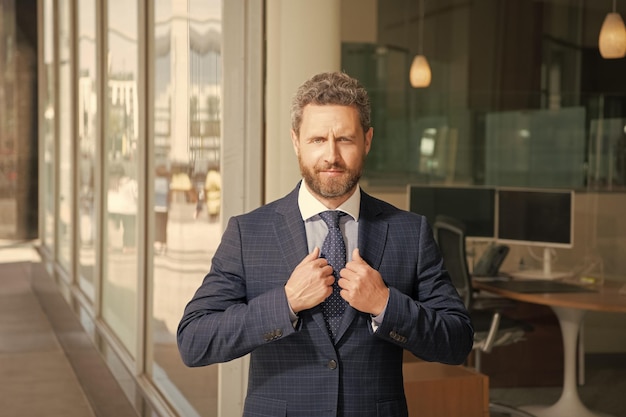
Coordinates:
<point>474,206</point>
<point>535,217</point>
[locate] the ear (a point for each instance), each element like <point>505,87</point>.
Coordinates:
<point>295,142</point>
<point>369,135</point>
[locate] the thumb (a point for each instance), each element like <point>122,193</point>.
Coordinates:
<point>315,254</point>
<point>311,256</point>
<point>356,255</point>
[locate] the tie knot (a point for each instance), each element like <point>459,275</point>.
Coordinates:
<point>331,218</point>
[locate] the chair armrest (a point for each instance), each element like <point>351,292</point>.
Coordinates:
<point>491,336</point>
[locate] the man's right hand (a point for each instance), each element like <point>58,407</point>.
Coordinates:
<point>310,283</point>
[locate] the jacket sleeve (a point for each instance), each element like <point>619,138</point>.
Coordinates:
<point>431,322</point>
<point>220,323</point>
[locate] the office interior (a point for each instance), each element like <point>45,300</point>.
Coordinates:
<point>182,106</point>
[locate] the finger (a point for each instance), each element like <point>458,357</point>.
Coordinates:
<point>357,261</point>
<point>347,273</point>
<point>327,271</point>
<point>343,283</point>
<point>330,280</point>
<point>315,253</point>
<point>311,256</point>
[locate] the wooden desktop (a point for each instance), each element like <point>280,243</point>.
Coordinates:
<point>570,308</point>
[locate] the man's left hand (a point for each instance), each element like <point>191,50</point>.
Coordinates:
<point>362,286</point>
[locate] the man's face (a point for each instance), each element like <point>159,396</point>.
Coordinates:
<point>331,150</point>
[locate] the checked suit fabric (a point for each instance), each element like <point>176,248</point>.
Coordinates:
<point>334,250</point>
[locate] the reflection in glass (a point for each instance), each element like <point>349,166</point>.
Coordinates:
<point>120,277</point>
<point>64,219</point>
<point>187,187</point>
<point>87,108</point>
<point>47,130</point>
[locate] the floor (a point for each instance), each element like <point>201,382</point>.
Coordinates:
<point>50,367</point>
<point>48,364</point>
<point>604,390</point>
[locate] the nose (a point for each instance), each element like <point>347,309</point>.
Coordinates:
<point>332,153</point>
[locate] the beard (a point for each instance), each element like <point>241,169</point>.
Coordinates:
<point>333,187</point>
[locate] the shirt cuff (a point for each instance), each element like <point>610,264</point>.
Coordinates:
<point>378,320</point>
<point>292,316</point>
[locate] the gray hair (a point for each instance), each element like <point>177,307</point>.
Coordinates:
<point>331,88</point>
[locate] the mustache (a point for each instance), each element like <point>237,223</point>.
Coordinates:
<point>335,165</point>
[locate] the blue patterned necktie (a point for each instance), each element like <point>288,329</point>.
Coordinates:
<point>334,250</point>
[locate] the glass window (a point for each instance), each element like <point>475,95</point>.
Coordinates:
<point>87,110</point>
<point>65,142</point>
<point>9,116</point>
<point>120,272</point>
<point>186,186</point>
<point>47,128</point>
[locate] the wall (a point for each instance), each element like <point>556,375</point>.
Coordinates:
<point>359,20</point>
<point>297,48</point>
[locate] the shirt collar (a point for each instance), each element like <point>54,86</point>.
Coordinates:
<point>311,206</point>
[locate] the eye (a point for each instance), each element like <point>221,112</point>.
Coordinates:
<point>317,140</point>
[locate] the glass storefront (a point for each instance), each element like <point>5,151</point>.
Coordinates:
<point>47,147</point>
<point>186,189</point>
<point>87,111</point>
<point>121,172</point>
<point>99,133</point>
<point>65,196</point>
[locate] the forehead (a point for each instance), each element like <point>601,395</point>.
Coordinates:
<point>316,116</point>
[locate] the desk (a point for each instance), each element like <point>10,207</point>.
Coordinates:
<point>570,308</point>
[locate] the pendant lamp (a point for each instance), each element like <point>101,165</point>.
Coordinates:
<point>420,74</point>
<point>612,39</point>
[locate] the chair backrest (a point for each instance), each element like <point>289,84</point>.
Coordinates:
<point>450,235</point>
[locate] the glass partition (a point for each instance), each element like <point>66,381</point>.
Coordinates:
<point>509,104</point>
<point>545,148</point>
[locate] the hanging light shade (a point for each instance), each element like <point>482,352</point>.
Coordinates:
<point>612,39</point>
<point>420,74</point>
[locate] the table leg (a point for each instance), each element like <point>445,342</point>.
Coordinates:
<point>569,404</point>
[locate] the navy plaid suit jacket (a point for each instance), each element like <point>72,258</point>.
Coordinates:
<point>241,308</point>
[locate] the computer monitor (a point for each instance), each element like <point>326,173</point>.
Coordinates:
<point>536,217</point>
<point>472,205</point>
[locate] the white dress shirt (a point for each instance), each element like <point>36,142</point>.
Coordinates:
<point>316,228</point>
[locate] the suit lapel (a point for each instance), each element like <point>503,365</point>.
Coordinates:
<point>291,235</point>
<point>372,238</point>
<point>372,231</point>
<point>290,232</point>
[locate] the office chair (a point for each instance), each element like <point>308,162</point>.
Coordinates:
<point>491,328</point>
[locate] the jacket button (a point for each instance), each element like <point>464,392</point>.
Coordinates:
<point>332,364</point>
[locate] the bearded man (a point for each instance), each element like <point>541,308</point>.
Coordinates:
<point>327,286</point>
